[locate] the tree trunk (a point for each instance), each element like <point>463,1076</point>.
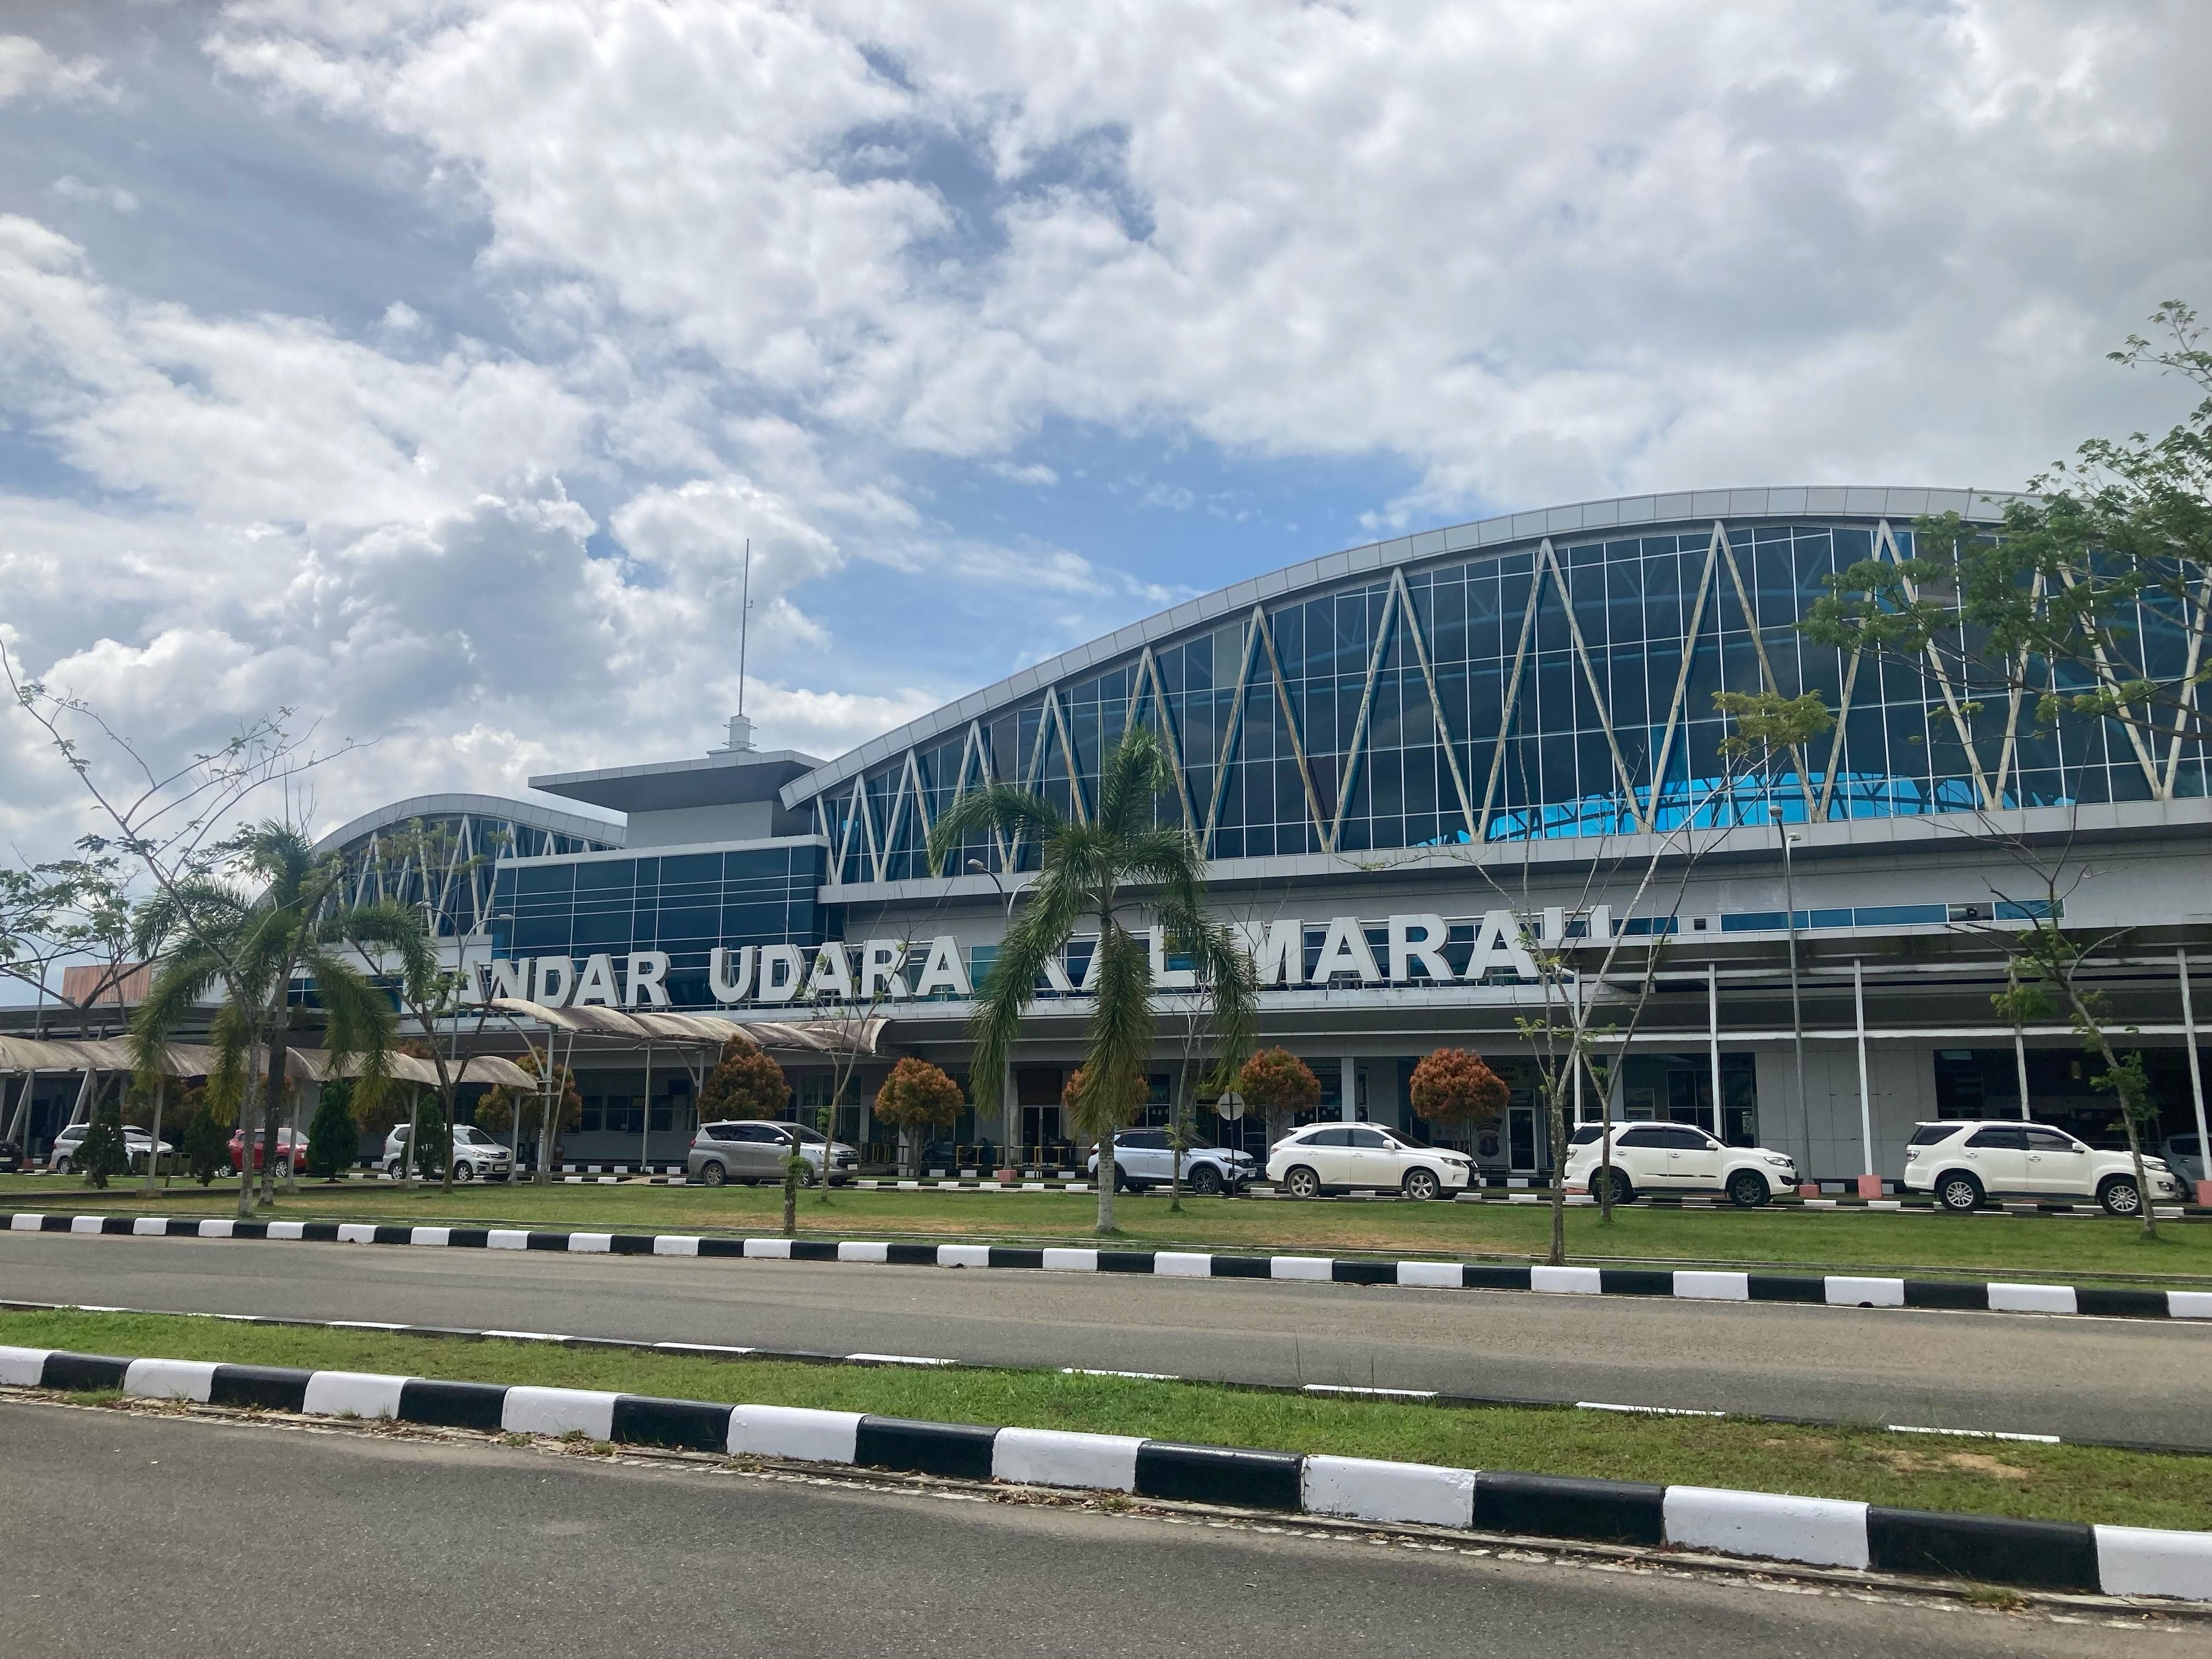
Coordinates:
<point>1555,1125</point>
<point>154,1150</point>
<point>272,1101</point>
<point>1106,1181</point>
<point>790,1198</point>
<point>2127,1106</point>
<point>245,1152</point>
<point>1175,1140</point>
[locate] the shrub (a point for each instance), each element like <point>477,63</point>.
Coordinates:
<point>203,1148</point>
<point>744,1083</point>
<point>333,1138</point>
<point>431,1139</point>
<point>1454,1086</point>
<point>103,1152</point>
<point>918,1096</point>
<point>1277,1080</point>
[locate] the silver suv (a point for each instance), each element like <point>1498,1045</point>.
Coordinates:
<point>475,1153</point>
<point>1966,1164</point>
<point>753,1149</point>
<point>137,1143</point>
<point>1143,1160</point>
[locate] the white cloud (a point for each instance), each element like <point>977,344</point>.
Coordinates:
<point>71,188</point>
<point>750,270</point>
<point>28,70</point>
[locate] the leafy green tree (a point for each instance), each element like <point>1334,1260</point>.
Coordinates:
<point>918,1096</point>
<point>333,1138</point>
<point>253,943</point>
<point>2090,600</point>
<point>202,1147</point>
<point>429,1140</point>
<point>1078,1100</point>
<point>1106,867</point>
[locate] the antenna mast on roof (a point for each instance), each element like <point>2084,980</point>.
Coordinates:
<point>745,625</point>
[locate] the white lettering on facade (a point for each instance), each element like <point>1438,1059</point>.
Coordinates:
<point>897,970</point>
<point>595,986</point>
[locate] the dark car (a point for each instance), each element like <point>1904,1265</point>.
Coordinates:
<point>11,1158</point>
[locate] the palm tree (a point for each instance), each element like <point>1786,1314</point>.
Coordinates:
<point>1093,868</point>
<point>250,945</point>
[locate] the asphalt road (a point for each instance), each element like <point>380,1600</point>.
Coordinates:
<point>2085,1378</point>
<point>130,1535</point>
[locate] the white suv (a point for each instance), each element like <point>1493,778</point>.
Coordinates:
<point>1649,1159</point>
<point>1142,1160</point>
<point>1342,1156</point>
<point>1965,1163</point>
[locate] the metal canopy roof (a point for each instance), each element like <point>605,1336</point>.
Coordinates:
<point>726,778</point>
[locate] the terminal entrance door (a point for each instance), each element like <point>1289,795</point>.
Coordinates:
<point>1523,1142</point>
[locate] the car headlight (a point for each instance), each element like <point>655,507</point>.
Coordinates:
<point>1779,1160</point>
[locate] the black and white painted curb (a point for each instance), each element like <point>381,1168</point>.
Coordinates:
<point>1311,1390</point>
<point>1831,1290</point>
<point>1816,1531</point>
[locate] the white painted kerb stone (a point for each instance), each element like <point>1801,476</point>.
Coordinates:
<point>1366,1489</point>
<point>1052,1457</point>
<point>1825,1532</point>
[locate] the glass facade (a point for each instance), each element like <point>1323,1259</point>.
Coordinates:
<point>456,880</point>
<point>685,904</point>
<point>1562,689</point>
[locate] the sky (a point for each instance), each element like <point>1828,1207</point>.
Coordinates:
<point>426,366</point>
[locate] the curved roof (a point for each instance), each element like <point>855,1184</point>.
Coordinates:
<point>1497,534</point>
<point>393,814</point>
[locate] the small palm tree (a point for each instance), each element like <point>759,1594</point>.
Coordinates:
<point>249,945</point>
<point>1097,867</point>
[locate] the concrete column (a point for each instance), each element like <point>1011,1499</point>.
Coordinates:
<point>2196,1082</point>
<point>1348,1107</point>
<point>1713,1043</point>
<point>1870,1179</point>
<point>1010,1120</point>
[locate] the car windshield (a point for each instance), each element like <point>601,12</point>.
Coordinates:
<point>811,1137</point>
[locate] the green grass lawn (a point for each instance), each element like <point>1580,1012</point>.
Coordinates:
<point>2067,1483</point>
<point>2035,1246</point>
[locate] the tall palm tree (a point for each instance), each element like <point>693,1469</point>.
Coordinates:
<point>249,943</point>
<point>1112,866</point>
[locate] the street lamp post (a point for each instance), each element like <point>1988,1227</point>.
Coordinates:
<point>1796,1009</point>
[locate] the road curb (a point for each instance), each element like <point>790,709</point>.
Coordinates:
<point>1829,1290</point>
<point>2045,1555</point>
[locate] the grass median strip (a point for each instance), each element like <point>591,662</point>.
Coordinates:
<point>1988,1245</point>
<point>2066,1483</point>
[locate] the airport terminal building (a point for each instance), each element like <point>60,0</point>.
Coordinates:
<point>1401,759</point>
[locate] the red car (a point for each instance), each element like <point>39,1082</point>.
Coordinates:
<point>291,1149</point>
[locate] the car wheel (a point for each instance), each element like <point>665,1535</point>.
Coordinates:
<point>1624,1189</point>
<point>1302,1182</point>
<point>2121,1196</point>
<point>63,1166</point>
<point>1959,1192</point>
<point>1121,1179</point>
<point>1422,1184</point>
<point>807,1175</point>
<point>1205,1180</point>
<point>465,1172</point>
<point>393,1169</point>
<point>712,1174</point>
<point>1747,1189</point>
